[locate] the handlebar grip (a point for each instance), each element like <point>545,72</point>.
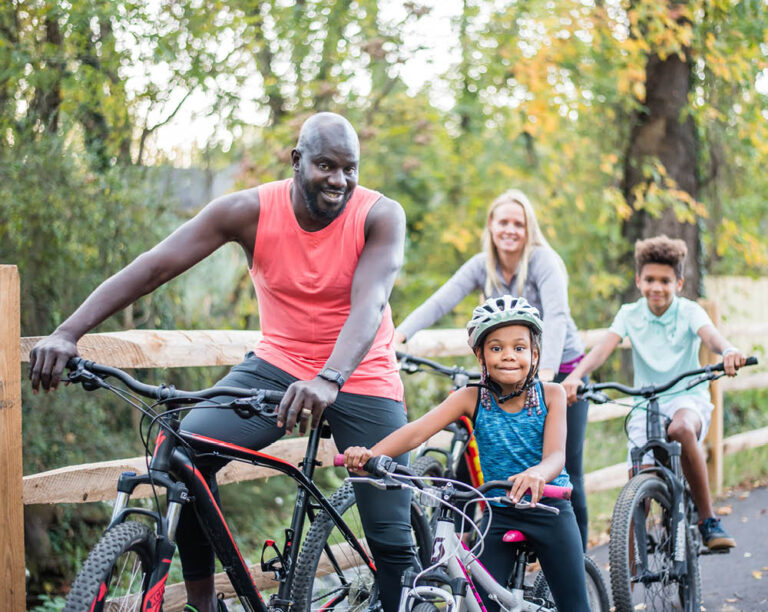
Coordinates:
<point>73,362</point>
<point>549,490</point>
<point>273,397</point>
<point>751,361</point>
<point>557,492</point>
<point>381,465</point>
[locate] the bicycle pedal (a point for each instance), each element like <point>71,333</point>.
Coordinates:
<point>717,551</point>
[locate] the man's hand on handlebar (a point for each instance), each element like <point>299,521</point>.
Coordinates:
<point>48,359</point>
<point>304,402</point>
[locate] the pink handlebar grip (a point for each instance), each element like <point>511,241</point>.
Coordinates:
<point>556,492</point>
<point>338,460</point>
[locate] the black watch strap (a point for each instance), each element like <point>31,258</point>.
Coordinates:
<point>333,376</point>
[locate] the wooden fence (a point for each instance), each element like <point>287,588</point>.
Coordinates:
<point>150,349</point>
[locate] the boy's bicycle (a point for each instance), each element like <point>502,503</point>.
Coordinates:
<point>448,584</point>
<point>128,568</point>
<point>655,544</point>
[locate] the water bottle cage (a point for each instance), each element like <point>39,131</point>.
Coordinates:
<point>275,564</point>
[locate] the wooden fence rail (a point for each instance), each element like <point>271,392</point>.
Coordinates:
<point>157,348</point>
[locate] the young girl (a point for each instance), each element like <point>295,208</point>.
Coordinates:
<point>520,427</point>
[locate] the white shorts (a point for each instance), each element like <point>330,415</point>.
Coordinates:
<point>636,434</point>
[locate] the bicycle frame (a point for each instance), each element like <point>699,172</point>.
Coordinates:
<point>673,476</point>
<point>173,468</point>
<point>462,569</point>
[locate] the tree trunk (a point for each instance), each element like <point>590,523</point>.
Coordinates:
<point>663,131</point>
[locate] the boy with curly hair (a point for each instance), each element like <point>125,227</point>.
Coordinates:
<point>666,331</point>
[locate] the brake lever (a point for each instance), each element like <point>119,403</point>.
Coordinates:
<point>701,378</point>
<point>525,504</point>
<point>409,367</point>
<point>86,378</point>
<point>596,397</point>
<point>247,407</point>
<point>385,484</point>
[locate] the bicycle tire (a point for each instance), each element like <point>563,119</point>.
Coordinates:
<point>98,582</point>
<point>597,592</point>
<point>309,593</point>
<point>649,495</point>
<point>429,466</point>
<point>425,607</point>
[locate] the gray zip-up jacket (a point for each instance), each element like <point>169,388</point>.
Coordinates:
<point>545,287</point>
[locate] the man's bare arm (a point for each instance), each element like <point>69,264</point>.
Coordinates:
<point>372,284</point>
<point>221,221</point>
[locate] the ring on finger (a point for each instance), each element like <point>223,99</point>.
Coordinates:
<point>306,413</point>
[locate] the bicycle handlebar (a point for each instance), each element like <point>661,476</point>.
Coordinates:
<point>591,391</point>
<point>384,466</point>
<point>410,364</point>
<point>91,375</point>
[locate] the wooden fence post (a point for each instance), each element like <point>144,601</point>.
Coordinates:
<point>12,578</point>
<point>714,439</point>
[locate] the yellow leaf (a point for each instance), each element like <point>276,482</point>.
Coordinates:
<point>724,510</point>
<point>758,575</point>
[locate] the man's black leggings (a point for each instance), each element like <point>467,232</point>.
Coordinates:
<point>556,542</point>
<point>355,420</point>
<point>576,418</point>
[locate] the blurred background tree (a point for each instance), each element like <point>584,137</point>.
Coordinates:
<point>617,118</point>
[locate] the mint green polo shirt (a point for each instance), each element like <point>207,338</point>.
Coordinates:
<point>666,346</point>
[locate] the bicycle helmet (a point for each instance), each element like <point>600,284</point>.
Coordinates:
<point>496,312</point>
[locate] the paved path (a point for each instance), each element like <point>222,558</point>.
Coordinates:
<point>738,581</point>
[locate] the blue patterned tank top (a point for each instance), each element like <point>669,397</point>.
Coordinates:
<point>511,443</point>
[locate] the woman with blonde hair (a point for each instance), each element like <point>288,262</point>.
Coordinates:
<point>517,260</point>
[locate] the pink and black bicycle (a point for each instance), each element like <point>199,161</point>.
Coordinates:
<point>448,582</point>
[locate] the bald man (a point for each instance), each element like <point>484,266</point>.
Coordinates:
<point>323,254</point>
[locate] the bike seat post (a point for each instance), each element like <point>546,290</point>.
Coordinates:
<point>309,463</point>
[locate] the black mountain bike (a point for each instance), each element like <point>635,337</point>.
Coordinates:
<point>655,543</point>
<point>128,568</point>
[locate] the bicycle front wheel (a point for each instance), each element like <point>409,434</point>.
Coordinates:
<point>641,551</point>
<point>330,574</point>
<point>115,576</point>
<point>597,593</point>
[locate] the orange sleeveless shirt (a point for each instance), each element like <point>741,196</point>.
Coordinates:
<point>303,282</point>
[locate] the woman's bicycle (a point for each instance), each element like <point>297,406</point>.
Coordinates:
<point>448,584</point>
<point>460,456</point>
<point>655,544</point>
<point>128,567</point>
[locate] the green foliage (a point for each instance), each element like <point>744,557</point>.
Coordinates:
<point>538,95</point>
<point>745,411</point>
<point>49,604</point>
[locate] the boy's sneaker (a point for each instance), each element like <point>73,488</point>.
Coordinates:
<point>714,536</point>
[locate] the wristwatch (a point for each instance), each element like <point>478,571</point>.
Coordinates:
<point>333,376</point>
